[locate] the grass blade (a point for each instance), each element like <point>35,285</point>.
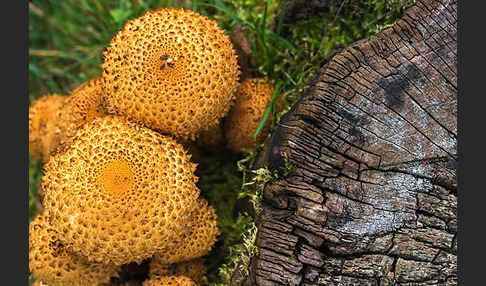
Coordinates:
<point>280,19</point>
<point>221,7</point>
<point>79,59</point>
<point>281,40</point>
<point>268,109</point>
<point>35,70</point>
<point>262,43</point>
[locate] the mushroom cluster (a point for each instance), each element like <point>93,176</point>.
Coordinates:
<point>118,185</point>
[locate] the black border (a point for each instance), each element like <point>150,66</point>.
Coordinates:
<point>465,267</point>
<point>471,145</point>
<point>460,144</point>
<point>15,206</point>
<point>14,116</point>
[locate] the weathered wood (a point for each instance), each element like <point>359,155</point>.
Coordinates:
<point>372,195</point>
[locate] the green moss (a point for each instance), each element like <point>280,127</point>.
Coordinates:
<point>243,232</point>
<point>239,256</point>
<point>220,182</point>
<point>237,242</point>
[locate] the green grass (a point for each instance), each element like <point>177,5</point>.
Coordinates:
<point>66,42</point>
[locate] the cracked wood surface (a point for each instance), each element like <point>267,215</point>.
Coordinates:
<point>372,195</point>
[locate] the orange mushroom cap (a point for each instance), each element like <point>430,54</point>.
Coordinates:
<point>173,69</point>
<point>51,262</point>
<point>169,281</point>
<point>252,98</point>
<point>44,125</point>
<point>199,240</point>
<point>83,104</point>
<point>120,192</point>
<point>194,269</point>
<point>54,119</point>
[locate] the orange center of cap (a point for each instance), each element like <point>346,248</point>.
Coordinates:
<point>117,177</point>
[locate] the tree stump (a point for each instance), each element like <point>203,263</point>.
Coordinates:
<point>372,194</point>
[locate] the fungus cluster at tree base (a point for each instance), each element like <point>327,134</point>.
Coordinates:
<point>117,187</point>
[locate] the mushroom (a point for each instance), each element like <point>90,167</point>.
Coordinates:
<point>169,281</point>
<point>53,119</point>
<point>198,241</point>
<point>51,262</point>
<point>83,104</point>
<point>252,97</point>
<point>194,269</point>
<point>172,69</point>
<point>120,192</point>
<point>38,283</point>
<point>43,125</point>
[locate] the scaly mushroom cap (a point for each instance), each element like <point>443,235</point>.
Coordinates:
<point>173,69</point>
<point>252,97</point>
<point>38,283</point>
<point>51,262</point>
<point>43,125</point>
<point>199,240</point>
<point>194,269</point>
<point>83,104</point>
<point>169,281</point>
<point>120,192</point>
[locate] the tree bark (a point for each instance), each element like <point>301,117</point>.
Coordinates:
<point>372,194</point>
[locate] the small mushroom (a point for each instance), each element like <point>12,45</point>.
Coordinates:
<point>169,281</point>
<point>83,104</point>
<point>43,125</point>
<point>51,262</point>
<point>198,241</point>
<point>194,269</point>
<point>252,98</point>
<point>53,119</point>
